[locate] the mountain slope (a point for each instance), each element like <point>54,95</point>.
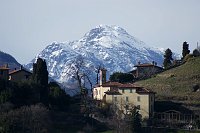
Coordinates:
<point>177,84</point>
<point>106,46</point>
<point>8,59</point>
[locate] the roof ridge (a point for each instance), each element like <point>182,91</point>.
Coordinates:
<point>14,71</point>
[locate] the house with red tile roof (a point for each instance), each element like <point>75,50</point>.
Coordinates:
<point>125,95</point>
<point>20,74</point>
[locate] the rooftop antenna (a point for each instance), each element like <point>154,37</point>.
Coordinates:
<point>197,45</point>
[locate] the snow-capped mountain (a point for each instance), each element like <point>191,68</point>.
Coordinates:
<point>108,46</point>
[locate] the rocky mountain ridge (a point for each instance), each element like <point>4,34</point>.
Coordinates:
<point>110,47</point>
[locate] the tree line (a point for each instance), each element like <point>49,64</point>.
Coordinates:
<point>25,106</point>
<point>168,55</point>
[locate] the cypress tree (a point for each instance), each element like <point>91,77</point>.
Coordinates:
<point>40,73</point>
<point>34,72</point>
<point>185,50</point>
<point>167,58</point>
<point>40,77</point>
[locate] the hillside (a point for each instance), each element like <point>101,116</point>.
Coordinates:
<point>8,59</point>
<point>177,84</point>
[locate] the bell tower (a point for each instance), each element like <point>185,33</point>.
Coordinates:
<point>102,76</point>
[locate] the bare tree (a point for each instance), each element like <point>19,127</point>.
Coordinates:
<point>80,73</point>
<point>121,116</point>
<point>76,68</point>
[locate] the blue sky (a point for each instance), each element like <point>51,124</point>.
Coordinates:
<point>28,26</point>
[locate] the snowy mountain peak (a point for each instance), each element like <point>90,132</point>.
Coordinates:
<point>111,36</point>
<point>111,29</point>
<point>108,46</point>
<point>105,30</point>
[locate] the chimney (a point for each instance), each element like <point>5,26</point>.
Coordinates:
<point>102,76</point>
<point>6,65</point>
<point>21,67</point>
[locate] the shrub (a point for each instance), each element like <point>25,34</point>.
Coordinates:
<point>188,57</point>
<point>33,119</point>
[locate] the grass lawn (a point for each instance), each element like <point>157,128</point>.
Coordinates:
<point>177,83</point>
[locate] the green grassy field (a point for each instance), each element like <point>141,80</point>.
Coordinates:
<point>176,84</point>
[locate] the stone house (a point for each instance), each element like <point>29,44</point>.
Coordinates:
<point>146,70</point>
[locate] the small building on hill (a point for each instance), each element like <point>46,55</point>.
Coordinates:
<point>125,96</point>
<point>146,70</point>
<point>19,75</point>
<point>171,114</point>
<point>4,72</point>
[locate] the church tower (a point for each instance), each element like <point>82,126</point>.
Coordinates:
<point>102,76</point>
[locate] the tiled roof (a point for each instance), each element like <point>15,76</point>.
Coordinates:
<point>128,85</point>
<point>15,71</point>
<point>147,65</point>
<point>4,68</point>
<point>143,90</point>
<point>116,86</point>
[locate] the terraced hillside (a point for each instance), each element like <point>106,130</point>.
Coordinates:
<point>178,84</point>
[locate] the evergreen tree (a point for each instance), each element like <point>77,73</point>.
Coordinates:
<point>167,58</point>
<point>196,53</point>
<point>40,73</point>
<point>57,97</point>
<point>40,77</point>
<point>136,122</point>
<point>185,50</point>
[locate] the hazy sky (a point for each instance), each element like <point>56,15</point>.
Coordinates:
<point>28,26</point>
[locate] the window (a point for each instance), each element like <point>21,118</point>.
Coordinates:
<point>131,91</point>
<point>138,107</point>
<point>122,90</point>
<point>127,107</point>
<point>115,99</point>
<point>138,98</point>
<point>126,99</point>
<point>27,76</point>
